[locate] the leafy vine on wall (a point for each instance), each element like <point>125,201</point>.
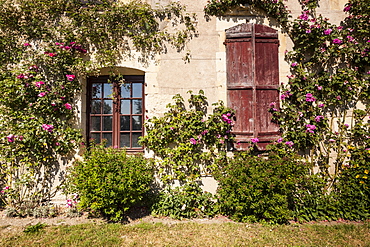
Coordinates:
<point>189,143</point>
<point>45,46</point>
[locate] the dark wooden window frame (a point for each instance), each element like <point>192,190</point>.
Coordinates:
<point>118,113</point>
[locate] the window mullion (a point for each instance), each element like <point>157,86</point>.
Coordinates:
<point>116,114</point>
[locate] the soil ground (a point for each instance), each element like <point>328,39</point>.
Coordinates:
<point>134,217</point>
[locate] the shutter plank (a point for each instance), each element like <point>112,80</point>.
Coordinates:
<point>267,65</point>
<point>242,102</point>
<point>239,59</point>
<point>263,117</point>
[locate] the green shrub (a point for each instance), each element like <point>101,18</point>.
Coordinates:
<point>274,189</point>
<point>187,201</point>
<point>109,181</point>
<point>352,189</point>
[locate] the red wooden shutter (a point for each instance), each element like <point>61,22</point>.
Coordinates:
<point>252,81</point>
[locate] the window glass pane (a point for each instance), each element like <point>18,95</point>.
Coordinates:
<point>125,123</point>
<point>136,123</point>
<point>95,106</point>
<point>95,137</point>
<point>107,106</point>
<point>125,140</point>
<point>136,106</point>
<point>108,90</point>
<point>125,90</point>
<point>95,124</point>
<point>135,140</point>
<point>125,106</point>
<point>107,123</point>
<point>108,138</point>
<point>137,89</point>
<point>96,90</point>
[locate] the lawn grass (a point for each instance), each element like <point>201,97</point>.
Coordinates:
<point>193,234</point>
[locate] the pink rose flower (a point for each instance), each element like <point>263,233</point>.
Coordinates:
<point>226,118</point>
<point>289,143</point>
<point>327,31</point>
<point>310,98</point>
<point>193,141</point>
<point>319,118</point>
<point>310,128</point>
<point>304,17</point>
<point>10,138</point>
<point>347,8</point>
<point>68,106</point>
<point>350,38</point>
<point>48,127</point>
<point>255,140</point>
<point>337,41</point>
<point>70,77</point>
<point>39,83</point>
<point>42,94</point>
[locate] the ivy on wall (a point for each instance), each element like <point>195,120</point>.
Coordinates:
<point>107,29</point>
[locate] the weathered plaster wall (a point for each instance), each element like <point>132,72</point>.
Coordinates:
<point>175,76</point>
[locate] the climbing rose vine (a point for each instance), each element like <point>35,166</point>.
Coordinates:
<point>325,111</point>
<point>38,107</point>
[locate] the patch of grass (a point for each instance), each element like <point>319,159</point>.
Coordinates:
<point>195,234</point>
<point>34,228</point>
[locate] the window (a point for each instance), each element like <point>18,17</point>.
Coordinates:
<point>252,81</point>
<point>116,110</point>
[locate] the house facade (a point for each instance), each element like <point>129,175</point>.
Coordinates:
<point>237,58</point>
